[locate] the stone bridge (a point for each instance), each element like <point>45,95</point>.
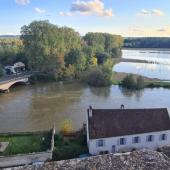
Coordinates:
<point>7,82</point>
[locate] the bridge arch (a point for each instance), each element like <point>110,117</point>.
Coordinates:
<point>4,86</point>
<point>17,83</point>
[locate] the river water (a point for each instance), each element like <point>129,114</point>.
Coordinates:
<point>158,66</point>
<point>39,107</point>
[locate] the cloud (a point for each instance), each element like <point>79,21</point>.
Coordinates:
<point>162,30</point>
<point>157,12</point>
<point>39,11</point>
<point>68,14</point>
<point>153,12</point>
<point>22,2</point>
<point>91,7</point>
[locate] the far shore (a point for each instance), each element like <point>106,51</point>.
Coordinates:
<point>156,49</point>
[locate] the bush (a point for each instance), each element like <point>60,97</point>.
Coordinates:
<point>41,78</point>
<point>66,127</point>
<point>133,83</point>
<point>140,84</point>
<point>70,148</point>
<point>1,71</point>
<point>97,76</point>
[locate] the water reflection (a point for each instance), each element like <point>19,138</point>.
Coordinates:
<point>131,93</point>
<point>101,92</point>
<point>159,71</point>
<point>154,56</point>
<point>158,68</point>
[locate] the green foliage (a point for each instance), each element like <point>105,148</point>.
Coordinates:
<point>140,84</point>
<point>102,57</point>
<point>98,76</point>
<point>46,45</point>
<point>66,73</point>
<point>147,42</point>
<point>41,77</point>
<point>1,71</point>
<point>131,83</point>
<point>11,50</point>
<point>60,53</point>
<point>103,42</point>
<point>76,57</point>
<point>68,149</point>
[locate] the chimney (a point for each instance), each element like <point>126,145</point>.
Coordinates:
<point>122,106</point>
<point>90,110</point>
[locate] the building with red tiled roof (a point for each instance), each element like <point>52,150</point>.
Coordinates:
<point>120,130</point>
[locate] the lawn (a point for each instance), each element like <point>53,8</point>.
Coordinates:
<point>26,143</point>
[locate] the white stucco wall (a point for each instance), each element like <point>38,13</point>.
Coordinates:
<point>109,142</point>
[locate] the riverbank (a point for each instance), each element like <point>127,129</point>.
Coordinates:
<point>148,82</point>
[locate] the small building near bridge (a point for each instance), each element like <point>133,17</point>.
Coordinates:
<point>17,68</point>
<point>123,130</point>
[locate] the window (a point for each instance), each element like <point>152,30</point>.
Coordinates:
<point>136,139</point>
<point>122,141</point>
<point>100,143</point>
<point>150,138</point>
<point>163,137</point>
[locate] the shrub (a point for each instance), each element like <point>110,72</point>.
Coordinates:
<point>69,148</point>
<point>42,78</point>
<point>97,76</point>
<point>66,127</point>
<point>133,83</point>
<point>140,84</point>
<point>129,82</point>
<point>1,71</point>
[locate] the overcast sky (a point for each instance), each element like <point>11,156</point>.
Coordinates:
<point>125,17</point>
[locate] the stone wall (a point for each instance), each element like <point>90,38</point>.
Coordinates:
<point>137,160</point>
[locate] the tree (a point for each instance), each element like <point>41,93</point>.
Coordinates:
<point>46,45</point>
<point>75,57</point>
<point>129,82</point>
<point>140,84</point>
<point>1,71</point>
<point>133,83</point>
<point>102,57</point>
<point>11,51</point>
<point>66,127</point>
<point>97,76</point>
<point>103,42</point>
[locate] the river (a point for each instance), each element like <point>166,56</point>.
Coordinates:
<point>39,107</point>
<point>158,65</point>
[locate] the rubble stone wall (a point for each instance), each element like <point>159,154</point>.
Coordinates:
<point>137,160</point>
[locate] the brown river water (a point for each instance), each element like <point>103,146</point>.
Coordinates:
<point>39,107</point>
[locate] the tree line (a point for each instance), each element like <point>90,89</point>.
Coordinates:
<point>147,42</point>
<point>60,52</point>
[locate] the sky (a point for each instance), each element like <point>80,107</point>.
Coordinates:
<point>124,17</point>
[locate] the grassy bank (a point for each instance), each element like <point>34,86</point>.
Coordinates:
<point>25,143</point>
<point>148,82</point>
